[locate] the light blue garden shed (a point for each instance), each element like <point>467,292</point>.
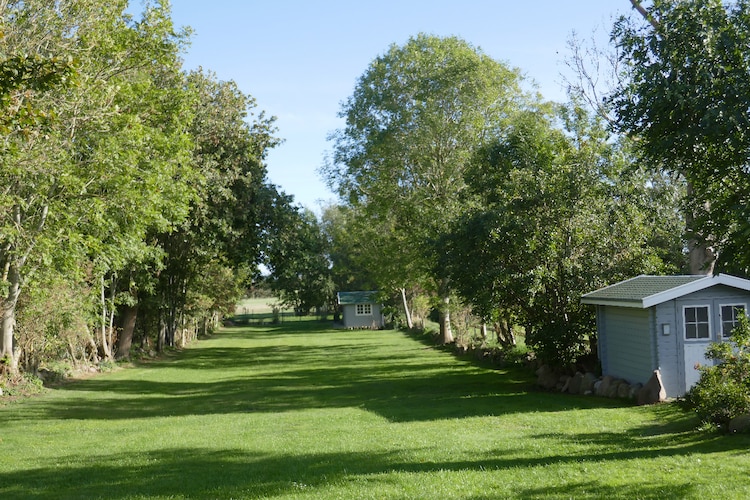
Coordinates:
<point>360,309</point>
<point>665,323</point>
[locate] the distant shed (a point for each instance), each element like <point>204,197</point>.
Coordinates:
<point>665,323</point>
<point>360,309</point>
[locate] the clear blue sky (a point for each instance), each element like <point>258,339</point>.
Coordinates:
<point>300,59</point>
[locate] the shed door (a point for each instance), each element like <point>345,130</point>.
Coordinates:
<point>696,335</point>
<point>701,324</point>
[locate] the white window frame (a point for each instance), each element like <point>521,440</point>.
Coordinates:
<point>696,323</point>
<point>722,335</point>
<point>363,309</point>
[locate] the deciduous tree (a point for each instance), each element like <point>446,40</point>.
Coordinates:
<point>412,123</point>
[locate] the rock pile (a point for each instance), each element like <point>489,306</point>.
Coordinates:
<point>610,387</point>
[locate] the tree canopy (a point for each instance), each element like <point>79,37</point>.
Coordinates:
<point>685,96</point>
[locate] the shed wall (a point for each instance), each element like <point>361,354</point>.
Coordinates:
<point>351,320</point>
<point>628,344</point>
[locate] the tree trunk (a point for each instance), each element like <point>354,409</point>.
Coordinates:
<point>8,350</point>
<point>106,350</point>
<point>446,332</point>
<point>409,322</point>
<point>125,340</point>
<point>701,257</point>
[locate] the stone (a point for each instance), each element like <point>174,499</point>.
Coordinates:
<point>653,391</point>
<point>604,386</point>
<point>740,424</point>
<point>565,384</point>
<point>623,391</point>
<point>597,387</point>
<point>588,382</point>
<point>634,388</point>
<point>613,387</point>
<point>574,386</point>
<point>546,377</point>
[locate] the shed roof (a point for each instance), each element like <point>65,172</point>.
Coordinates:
<point>362,297</point>
<point>646,291</point>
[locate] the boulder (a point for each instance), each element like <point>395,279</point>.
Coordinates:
<point>574,385</point>
<point>653,391</point>
<point>604,386</point>
<point>588,382</point>
<point>740,425</point>
<point>546,378</point>
<point>634,390</point>
<point>613,388</point>
<point>623,391</point>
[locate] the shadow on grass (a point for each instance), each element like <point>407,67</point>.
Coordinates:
<point>399,386</point>
<point>197,473</point>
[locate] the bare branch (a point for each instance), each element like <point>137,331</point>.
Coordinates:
<point>646,15</point>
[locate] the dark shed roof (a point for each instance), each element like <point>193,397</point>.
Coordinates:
<point>345,298</point>
<point>646,291</point>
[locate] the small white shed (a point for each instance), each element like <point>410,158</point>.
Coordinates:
<point>665,323</point>
<point>360,310</point>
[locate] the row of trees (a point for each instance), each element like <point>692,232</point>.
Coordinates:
<point>134,203</point>
<point>458,183</point>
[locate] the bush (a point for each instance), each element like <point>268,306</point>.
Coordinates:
<point>723,391</point>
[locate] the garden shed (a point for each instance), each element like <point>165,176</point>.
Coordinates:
<point>665,323</point>
<point>360,310</point>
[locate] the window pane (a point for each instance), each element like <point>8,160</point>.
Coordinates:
<point>726,328</point>
<point>702,314</point>
<point>690,331</point>
<point>702,331</point>
<point>727,313</point>
<point>690,314</point>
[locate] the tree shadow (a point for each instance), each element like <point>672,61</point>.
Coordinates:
<point>198,473</point>
<point>286,377</point>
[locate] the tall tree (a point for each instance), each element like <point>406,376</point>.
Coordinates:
<point>685,97</point>
<point>412,123</point>
<point>298,258</point>
<point>563,211</point>
<point>84,178</point>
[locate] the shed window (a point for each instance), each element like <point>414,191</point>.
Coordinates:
<point>364,310</point>
<point>696,322</point>
<point>730,315</point>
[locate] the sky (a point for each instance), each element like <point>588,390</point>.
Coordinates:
<point>301,59</point>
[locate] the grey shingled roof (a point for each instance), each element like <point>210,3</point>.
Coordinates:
<point>647,291</point>
<point>641,287</point>
<point>345,298</point>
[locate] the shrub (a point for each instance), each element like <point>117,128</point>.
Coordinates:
<point>723,390</point>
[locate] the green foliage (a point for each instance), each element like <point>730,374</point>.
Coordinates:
<point>562,211</point>
<point>298,260</point>
<point>723,390</point>
<point>684,95</point>
<point>412,123</point>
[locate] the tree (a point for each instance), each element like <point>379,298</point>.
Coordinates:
<point>563,211</point>
<point>298,259</point>
<point>412,123</point>
<point>228,215</point>
<point>685,98</point>
<point>83,179</point>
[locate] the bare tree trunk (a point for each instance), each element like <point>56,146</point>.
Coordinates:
<point>701,257</point>
<point>125,340</point>
<point>8,349</point>
<point>409,322</point>
<point>106,350</point>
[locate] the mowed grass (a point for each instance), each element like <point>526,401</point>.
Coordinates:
<point>303,411</point>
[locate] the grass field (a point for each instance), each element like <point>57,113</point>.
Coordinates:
<point>304,411</point>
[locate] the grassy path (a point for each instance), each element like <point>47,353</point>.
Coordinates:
<point>305,412</point>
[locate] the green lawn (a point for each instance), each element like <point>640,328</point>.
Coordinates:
<point>301,411</point>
